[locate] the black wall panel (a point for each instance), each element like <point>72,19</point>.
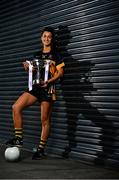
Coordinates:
<point>85,118</point>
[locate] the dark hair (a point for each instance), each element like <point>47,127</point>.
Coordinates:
<point>50,29</point>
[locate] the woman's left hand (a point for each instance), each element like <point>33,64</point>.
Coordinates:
<point>44,83</point>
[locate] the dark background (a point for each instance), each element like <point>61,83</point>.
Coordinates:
<point>85,117</point>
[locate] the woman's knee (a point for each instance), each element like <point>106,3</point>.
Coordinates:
<point>16,108</point>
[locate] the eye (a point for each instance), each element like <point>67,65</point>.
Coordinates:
<point>50,37</point>
<point>44,36</point>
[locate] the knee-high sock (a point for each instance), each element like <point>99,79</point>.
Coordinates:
<point>19,132</point>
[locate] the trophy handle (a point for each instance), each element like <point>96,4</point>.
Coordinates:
<point>30,78</point>
<point>46,65</point>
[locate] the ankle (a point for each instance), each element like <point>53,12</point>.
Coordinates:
<point>17,137</point>
<point>42,144</point>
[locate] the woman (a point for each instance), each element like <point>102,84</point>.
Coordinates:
<point>43,92</point>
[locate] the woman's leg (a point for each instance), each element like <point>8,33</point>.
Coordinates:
<point>23,101</point>
<point>46,111</point>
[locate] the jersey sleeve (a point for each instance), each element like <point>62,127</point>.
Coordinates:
<point>59,61</point>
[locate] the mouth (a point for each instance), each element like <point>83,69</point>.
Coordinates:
<point>46,42</point>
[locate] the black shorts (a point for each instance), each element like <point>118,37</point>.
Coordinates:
<point>40,93</point>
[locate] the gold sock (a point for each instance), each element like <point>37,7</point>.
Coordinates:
<point>42,144</point>
<point>18,132</point>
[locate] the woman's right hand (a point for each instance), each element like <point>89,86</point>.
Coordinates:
<point>26,66</point>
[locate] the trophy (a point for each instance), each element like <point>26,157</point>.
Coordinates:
<point>35,68</point>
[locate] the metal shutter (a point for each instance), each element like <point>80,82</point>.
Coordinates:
<point>86,115</point>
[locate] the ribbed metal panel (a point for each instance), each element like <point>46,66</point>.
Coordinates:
<point>85,119</point>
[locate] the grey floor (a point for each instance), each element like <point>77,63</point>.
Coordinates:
<point>51,168</point>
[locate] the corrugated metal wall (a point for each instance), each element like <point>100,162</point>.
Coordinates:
<point>85,120</point>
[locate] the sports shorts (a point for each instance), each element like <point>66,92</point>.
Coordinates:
<point>40,93</point>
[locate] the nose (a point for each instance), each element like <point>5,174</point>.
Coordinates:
<point>46,38</point>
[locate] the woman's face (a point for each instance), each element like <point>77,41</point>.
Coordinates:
<point>46,38</point>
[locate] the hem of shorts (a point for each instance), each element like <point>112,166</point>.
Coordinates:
<point>47,100</point>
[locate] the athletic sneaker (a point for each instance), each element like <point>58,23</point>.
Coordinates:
<point>39,154</point>
<point>17,141</point>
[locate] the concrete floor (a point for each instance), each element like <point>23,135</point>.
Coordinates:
<point>51,168</point>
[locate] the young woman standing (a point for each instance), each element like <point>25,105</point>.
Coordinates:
<point>43,92</point>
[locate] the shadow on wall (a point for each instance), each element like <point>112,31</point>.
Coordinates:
<point>74,90</point>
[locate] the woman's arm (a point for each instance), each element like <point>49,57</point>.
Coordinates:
<point>57,75</point>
